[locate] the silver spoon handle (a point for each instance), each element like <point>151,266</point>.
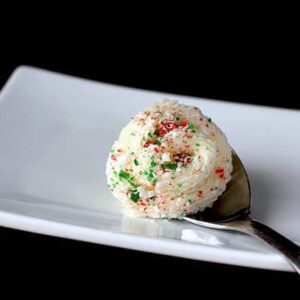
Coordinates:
<point>289,249</point>
<point>248,226</point>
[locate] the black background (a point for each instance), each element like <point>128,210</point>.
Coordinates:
<point>243,72</point>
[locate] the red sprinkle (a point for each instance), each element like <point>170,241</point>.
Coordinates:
<point>163,131</point>
<point>199,193</point>
<point>184,123</point>
<point>147,144</point>
<point>220,172</point>
<point>186,160</point>
<point>167,126</point>
<point>183,158</point>
<point>170,125</point>
<point>156,150</point>
<point>113,157</point>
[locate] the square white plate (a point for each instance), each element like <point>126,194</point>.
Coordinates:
<point>55,135</point>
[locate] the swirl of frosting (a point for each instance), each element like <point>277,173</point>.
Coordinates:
<point>169,161</point>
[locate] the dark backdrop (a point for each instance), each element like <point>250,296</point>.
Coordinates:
<point>264,79</point>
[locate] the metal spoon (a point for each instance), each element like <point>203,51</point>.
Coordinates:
<point>232,212</point>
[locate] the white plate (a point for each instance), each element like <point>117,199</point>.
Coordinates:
<point>56,132</point>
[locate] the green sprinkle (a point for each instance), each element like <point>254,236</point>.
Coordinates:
<point>151,177</point>
<point>191,126</point>
<point>132,134</point>
<point>124,175</point>
<point>135,196</point>
<point>136,162</point>
<point>209,120</point>
<point>190,201</point>
<point>197,145</point>
<point>170,166</point>
<point>133,184</point>
<point>150,134</point>
<point>145,173</point>
<point>157,142</point>
<point>179,185</point>
<point>193,131</point>
<point>153,164</point>
<point>112,150</point>
<point>132,153</point>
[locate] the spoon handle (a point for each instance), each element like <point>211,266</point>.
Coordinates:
<point>246,225</point>
<point>289,249</point>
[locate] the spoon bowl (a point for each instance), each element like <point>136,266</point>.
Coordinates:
<point>231,211</point>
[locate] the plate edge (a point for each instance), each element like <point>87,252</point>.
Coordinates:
<point>64,230</point>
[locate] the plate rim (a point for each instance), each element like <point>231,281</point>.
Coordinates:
<point>268,261</point>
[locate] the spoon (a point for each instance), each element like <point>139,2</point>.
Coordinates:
<point>232,212</point>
